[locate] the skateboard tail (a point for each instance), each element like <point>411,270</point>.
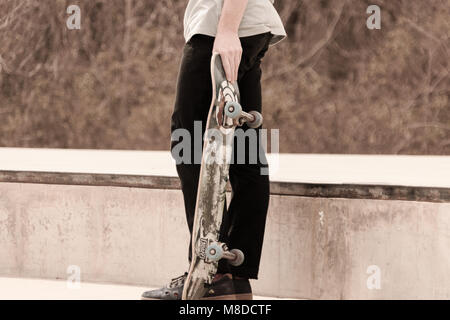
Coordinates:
<point>196,290</point>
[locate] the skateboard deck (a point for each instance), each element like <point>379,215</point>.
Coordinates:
<point>224,116</point>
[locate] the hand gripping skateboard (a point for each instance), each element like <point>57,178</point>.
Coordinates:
<point>225,114</point>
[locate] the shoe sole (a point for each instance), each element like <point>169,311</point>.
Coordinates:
<point>144,298</point>
<point>243,296</point>
<point>157,299</point>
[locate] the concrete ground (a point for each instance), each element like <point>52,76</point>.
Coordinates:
<point>37,289</point>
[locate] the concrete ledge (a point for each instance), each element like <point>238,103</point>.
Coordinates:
<point>346,191</point>
<point>314,248</point>
<point>123,222</point>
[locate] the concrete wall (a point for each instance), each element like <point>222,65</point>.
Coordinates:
<point>315,248</point>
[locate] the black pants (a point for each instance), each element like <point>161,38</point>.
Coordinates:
<point>244,221</point>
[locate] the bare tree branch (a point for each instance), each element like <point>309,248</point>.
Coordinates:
<point>316,48</point>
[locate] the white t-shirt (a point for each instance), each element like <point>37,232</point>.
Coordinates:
<point>202,17</point>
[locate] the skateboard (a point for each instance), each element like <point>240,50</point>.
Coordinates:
<point>225,114</point>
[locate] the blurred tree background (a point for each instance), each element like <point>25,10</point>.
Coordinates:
<point>333,86</point>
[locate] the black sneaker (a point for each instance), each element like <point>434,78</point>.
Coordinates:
<point>229,288</point>
<point>173,291</point>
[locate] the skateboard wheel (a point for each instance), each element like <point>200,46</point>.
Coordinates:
<point>239,258</point>
<point>258,120</point>
<point>214,252</point>
<point>233,110</point>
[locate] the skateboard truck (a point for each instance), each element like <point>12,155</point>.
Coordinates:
<point>234,111</point>
<point>219,250</point>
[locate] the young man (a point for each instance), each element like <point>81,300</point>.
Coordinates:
<point>241,31</point>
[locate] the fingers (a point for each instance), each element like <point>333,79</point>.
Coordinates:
<point>237,64</point>
<point>227,66</point>
<point>233,67</point>
<point>231,61</point>
<point>228,45</point>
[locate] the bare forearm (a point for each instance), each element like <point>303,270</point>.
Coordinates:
<point>227,42</point>
<point>231,17</point>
